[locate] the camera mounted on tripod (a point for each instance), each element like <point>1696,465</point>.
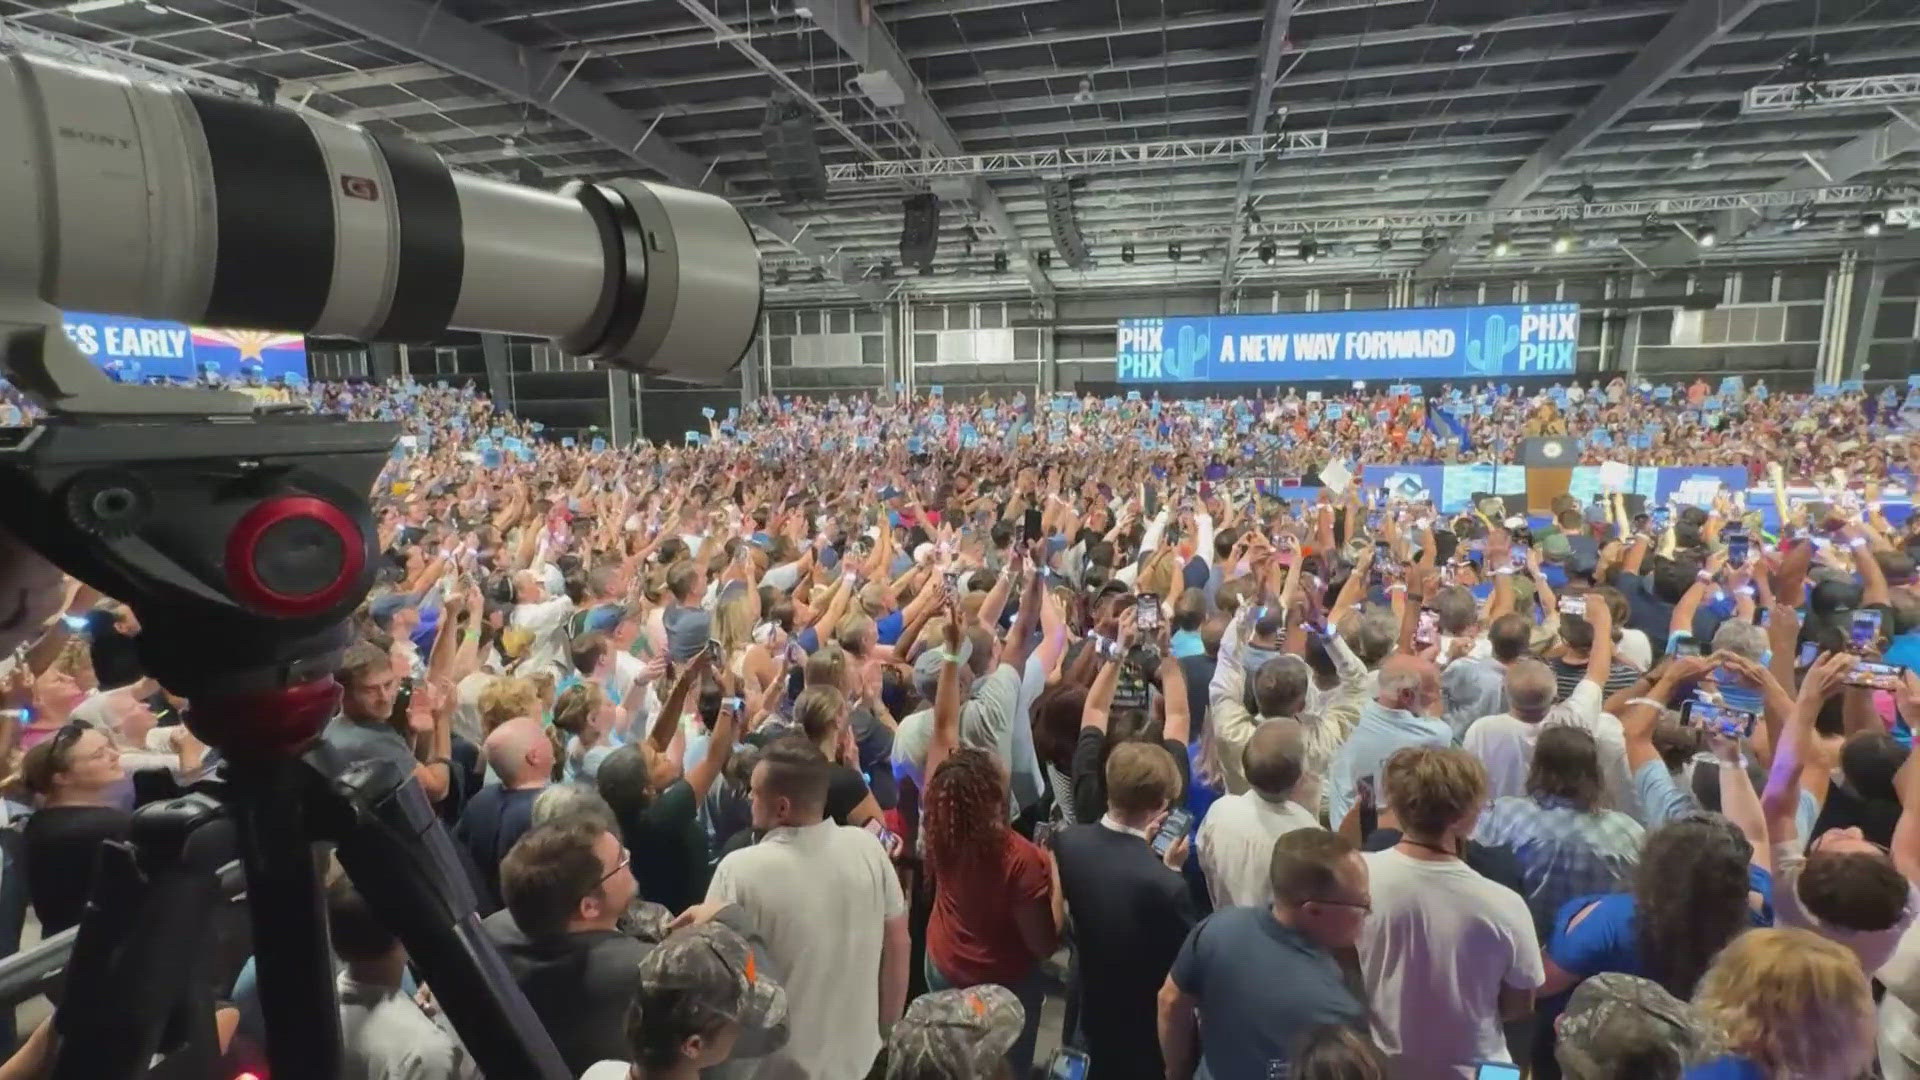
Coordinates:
<point>242,536</point>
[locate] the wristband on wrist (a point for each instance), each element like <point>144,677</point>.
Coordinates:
<point>1857,543</point>
<point>1660,705</point>
<point>1704,576</point>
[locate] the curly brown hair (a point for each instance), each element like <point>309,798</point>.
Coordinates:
<point>1689,898</point>
<point>964,814</point>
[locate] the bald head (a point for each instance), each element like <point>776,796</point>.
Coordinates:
<point>1409,683</point>
<point>520,753</point>
<point>527,587</point>
<point>1274,758</point>
<point>1530,689</point>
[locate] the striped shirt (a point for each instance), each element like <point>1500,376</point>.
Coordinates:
<point>1564,852</point>
<point>1566,676</point>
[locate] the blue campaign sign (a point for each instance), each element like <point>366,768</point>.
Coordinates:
<point>133,350</point>
<point>1388,343</point>
<point>1694,487</point>
<point>1407,482</point>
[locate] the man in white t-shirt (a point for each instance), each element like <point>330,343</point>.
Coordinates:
<point>840,939</point>
<point>1459,622</point>
<point>1237,836</point>
<point>1447,955</point>
<point>1504,742</point>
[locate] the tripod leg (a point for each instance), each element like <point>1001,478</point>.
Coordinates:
<point>403,862</point>
<point>137,981</point>
<point>289,924</point>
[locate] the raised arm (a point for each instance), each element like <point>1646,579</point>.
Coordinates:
<point>946,697</point>
<point>668,722</point>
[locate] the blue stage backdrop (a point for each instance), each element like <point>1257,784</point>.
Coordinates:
<point>135,350</point>
<point>1386,345</point>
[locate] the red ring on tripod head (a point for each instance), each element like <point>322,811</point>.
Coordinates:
<point>254,525</point>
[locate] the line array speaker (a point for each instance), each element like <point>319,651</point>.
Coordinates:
<point>1066,231</point>
<point>919,230</point>
<point>793,151</point>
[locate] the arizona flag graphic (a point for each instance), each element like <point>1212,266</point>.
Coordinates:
<point>249,353</point>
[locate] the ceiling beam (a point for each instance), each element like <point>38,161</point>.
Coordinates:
<point>544,81</point>
<point>864,38</point>
<point>1273,43</point>
<point>1860,155</point>
<point>1698,24</point>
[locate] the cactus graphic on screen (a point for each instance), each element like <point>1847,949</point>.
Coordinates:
<point>1182,361</point>
<point>1487,353</point>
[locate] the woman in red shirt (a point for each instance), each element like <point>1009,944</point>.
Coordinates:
<point>993,903</point>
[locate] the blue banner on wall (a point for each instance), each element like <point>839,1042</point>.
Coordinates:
<point>1452,487</point>
<point>1384,344</point>
<point>134,350</point>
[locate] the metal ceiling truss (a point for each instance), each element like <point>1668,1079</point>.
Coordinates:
<point>1861,155</point>
<point>1080,159</point>
<point>1832,94</point>
<point>1680,208</point>
<point>851,25</point>
<point>629,43</point>
<point>75,50</point>
<point>545,81</point>
<point>743,44</point>
<point>1273,43</point>
<point>1698,24</point>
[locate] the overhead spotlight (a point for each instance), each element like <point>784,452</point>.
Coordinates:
<point>886,269</point>
<point>1698,160</point>
<point>1706,235</point>
<point>818,276</point>
<point>999,262</point>
<point>1044,258</point>
<point>1385,243</point>
<point>1584,192</point>
<point>1085,93</point>
<point>1252,212</point>
<point>1502,243</point>
<point>1652,228</point>
<point>1126,253</point>
<point>1308,250</point>
<point>1563,239</point>
<point>1173,250</point>
<point>781,276</point>
<point>1802,217</point>
<point>1429,241</point>
<point>1266,252</point>
<point>1873,222</point>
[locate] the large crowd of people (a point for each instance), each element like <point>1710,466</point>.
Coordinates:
<point>841,739</point>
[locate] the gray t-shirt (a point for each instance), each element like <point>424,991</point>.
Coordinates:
<point>1261,986</point>
<point>359,741</point>
<point>986,722</point>
<point>387,1037</point>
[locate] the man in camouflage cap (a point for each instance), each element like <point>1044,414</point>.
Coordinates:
<point>1622,1027</point>
<point>702,999</point>
<point>956,1035</point>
